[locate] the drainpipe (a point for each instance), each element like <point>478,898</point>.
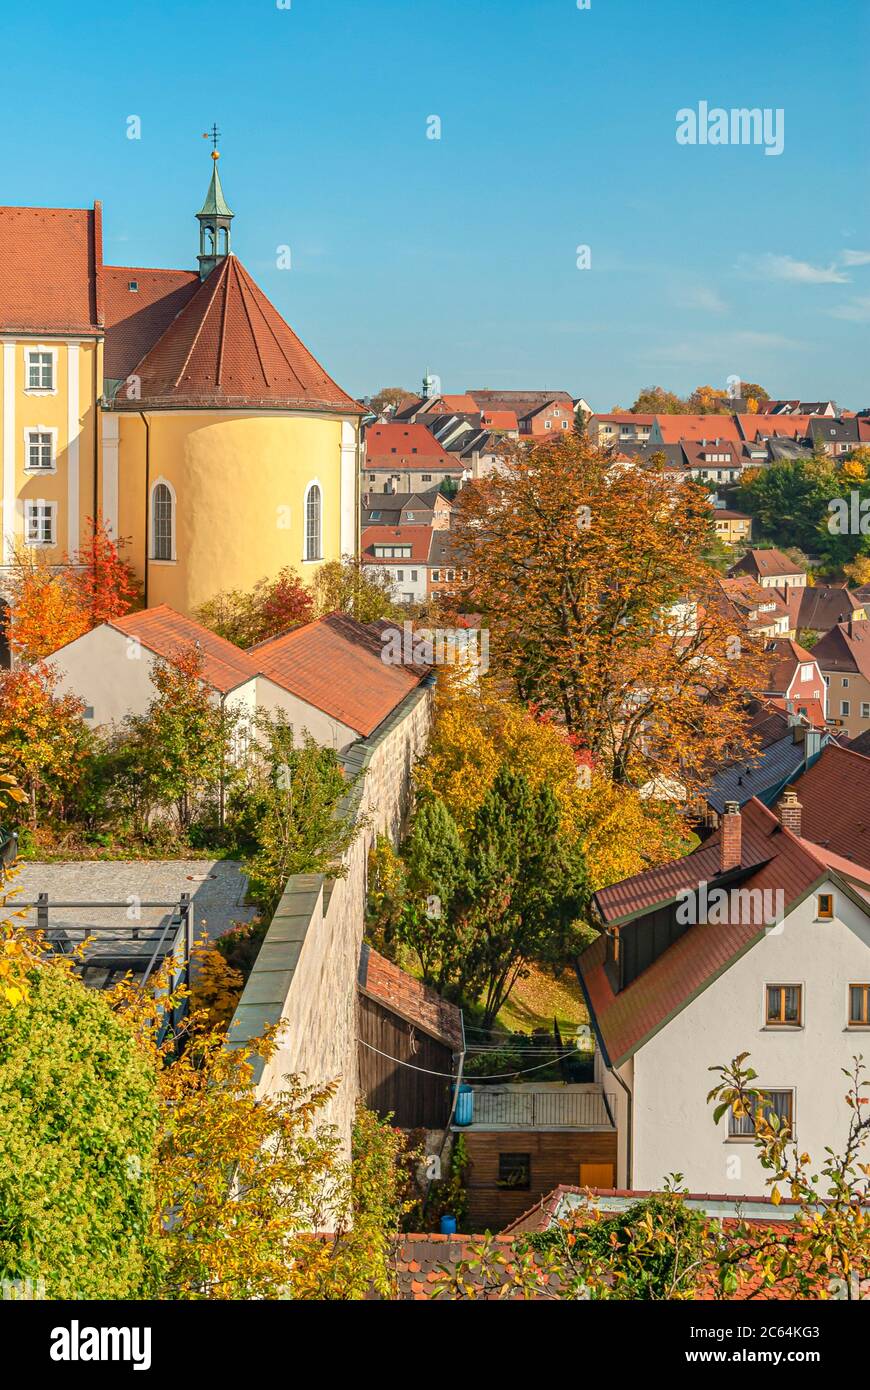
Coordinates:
<point>146,422</point>
<point>629,1126</point>
<point>98,424</point>
<point>629,1138</point>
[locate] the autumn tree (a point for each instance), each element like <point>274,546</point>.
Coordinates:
<point>348,586</point>
<point>655,400</point>
<point>181,748</point>
<point>292,812</point>
<point>388,396</point>
<point>271,607</point>
<point>46,606</point>
<point>604,613</point>
<point>105,581</point>
<point>477,727</point>
<point>43,738</point>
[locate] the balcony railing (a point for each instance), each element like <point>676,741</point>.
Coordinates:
<point>527,1107</point>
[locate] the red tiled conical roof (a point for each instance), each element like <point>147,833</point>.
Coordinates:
<point>230,349</point>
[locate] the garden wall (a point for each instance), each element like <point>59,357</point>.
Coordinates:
<point>306,971</point>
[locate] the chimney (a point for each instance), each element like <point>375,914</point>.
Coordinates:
<point>789,811</point>
<point>731,841</point>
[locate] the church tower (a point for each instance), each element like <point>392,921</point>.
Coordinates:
<point>214,219</point>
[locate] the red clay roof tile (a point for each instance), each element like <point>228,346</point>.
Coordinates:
<point>229,348</point>
<point>52,260</point>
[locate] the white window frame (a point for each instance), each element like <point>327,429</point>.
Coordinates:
<point>173,524</point>
<point>865,709</point>
<point>306,558</point>
<point>40,429</point>
<point>33,507</point>
<point>845,709</point>
<point>40,349</point>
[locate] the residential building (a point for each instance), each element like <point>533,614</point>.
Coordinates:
<point>695,966</point>
<point>327,677</point>
<point>178,404</point>
<point>537,412</point>
<point>817,608</point>
<point>835,437</point>
<point>764,612</point>
<point>795,682</point>
<point>428,508</point>
<point>620,427</point>
<point>843,655</point>
<point>733,528</point>
<point>407,458</point>
<point>797,408</point>
<point>769,568</point>
<point>402,554</point>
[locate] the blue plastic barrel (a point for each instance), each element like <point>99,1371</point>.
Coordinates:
<point>448,1226</point>
<point>464,1112</point>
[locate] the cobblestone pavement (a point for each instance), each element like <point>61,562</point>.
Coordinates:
<point>217,888</point>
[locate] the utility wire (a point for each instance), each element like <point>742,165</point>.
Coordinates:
<point>450,1076</point>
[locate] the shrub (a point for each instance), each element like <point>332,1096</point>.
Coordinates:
<point>78,1127</point>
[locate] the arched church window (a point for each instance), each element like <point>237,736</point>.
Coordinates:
<point>313,548</point>
<point>162,522</point>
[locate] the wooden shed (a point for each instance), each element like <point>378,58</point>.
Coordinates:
<point>409,1044</point>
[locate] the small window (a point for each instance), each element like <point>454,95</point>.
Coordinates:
<point>845,682</point>
<point>859,1006</point>
<point>400,575</point>
<point>436,576</point>
<point>133,286</point>
<point>39,522</point>
<point>778,1103</point>
<point>865,709</point>
<point>371,477</point>
<point>40,451</point>
<point>427,477</point>
<point>806,672</point>
<point>824,907</point>
<point>515,1171</point>
<point>413,576</point>
<point>844,707</point>
<point>449,576</point>
<point>40,371</point>
<point>784,1006</point>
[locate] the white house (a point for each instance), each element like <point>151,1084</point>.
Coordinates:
<point>757,942</point>
<point>329,677</point>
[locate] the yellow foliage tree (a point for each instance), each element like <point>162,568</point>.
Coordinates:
<point>477,729</point>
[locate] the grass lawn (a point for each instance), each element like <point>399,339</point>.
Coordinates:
<point>538,999</point>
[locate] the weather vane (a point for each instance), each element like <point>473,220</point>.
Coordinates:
<point>213,135</point>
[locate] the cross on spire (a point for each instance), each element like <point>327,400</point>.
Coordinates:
<point>213,135</point>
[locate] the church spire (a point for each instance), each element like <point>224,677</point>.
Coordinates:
<point>214,217</point>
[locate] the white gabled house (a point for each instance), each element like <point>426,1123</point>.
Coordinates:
<point>758,942</point>
<point>331,678</point>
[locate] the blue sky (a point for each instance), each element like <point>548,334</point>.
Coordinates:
<point>459,254</point>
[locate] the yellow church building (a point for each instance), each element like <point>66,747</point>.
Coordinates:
<point>176,404</point>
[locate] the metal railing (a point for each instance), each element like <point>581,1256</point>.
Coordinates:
<point>119,946</point>
<point>526,1108</point>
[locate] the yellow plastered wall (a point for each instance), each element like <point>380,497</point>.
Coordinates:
<point>69,412</point>
<point>239,482</point>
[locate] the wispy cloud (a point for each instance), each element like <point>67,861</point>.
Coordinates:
<point>855,257</point>
<point>706,348</point>
<point>799,272</point>
<point>856,312</point>
<point>702,297</point>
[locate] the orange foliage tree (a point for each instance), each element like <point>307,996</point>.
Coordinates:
<point>45,605</point>
<point>604,612</point>
<point>52,604</point>
<point>42,737</point>
<point>105,581</point>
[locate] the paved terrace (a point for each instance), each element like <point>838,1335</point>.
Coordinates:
<point>217,889</point>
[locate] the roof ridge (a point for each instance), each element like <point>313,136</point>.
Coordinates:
<point>213,289</point>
